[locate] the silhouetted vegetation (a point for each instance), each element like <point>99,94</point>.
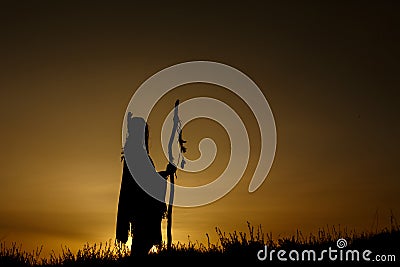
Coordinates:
<point>231,247</point>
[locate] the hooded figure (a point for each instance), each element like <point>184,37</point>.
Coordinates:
<point>142,192</point>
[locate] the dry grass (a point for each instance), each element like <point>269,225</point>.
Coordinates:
<point>230,245</point>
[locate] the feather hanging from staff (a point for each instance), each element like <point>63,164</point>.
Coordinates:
<point>182,147</point>
<point>181,142</point>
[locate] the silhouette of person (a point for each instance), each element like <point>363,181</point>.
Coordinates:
<point>136,205</point>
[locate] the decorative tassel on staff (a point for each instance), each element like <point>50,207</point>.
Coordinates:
<point>175,129</point>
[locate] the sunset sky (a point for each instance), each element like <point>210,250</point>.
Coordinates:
<point>329,70</point>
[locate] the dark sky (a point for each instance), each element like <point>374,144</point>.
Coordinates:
<point>329,70</point>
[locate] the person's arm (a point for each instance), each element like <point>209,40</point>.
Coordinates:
<point>171,169</point>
